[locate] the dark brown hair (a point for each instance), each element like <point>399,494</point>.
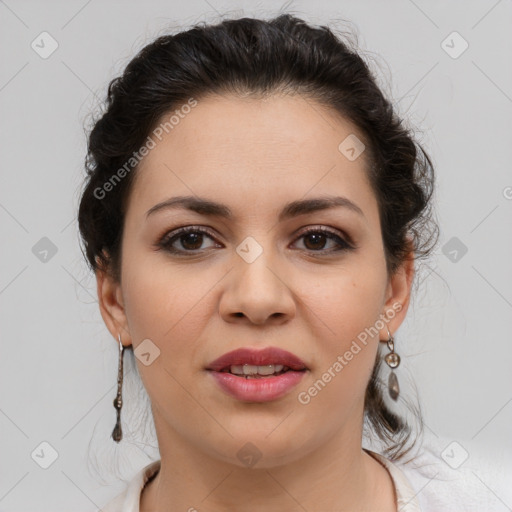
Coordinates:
<point>261,57</point>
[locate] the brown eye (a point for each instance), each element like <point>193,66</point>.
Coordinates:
<point>192,241</point>
<point>315,240</point>
<point>190,238</point>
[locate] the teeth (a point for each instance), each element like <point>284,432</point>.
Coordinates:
<point>250,369</point>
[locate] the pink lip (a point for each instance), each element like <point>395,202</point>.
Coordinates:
<point>262,389</point>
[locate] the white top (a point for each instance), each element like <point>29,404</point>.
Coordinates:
<point>426,484</point>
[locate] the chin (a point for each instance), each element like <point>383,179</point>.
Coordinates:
<point>260,447</point>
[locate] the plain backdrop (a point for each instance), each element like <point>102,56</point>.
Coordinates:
<point>59,363</point>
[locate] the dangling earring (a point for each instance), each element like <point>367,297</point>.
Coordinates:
<point>393,360</point>
<point>117,433</point>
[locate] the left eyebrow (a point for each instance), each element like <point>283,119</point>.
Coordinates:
<point>294,209</point>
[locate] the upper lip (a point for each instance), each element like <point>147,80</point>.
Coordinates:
<point>261,357</point>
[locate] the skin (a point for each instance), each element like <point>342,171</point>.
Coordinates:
<point>255,156</point>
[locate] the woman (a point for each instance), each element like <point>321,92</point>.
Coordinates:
<point>253,212</point>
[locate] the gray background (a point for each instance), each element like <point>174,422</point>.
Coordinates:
<point>59,363</point>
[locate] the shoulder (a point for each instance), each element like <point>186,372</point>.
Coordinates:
<point>129,499</point>
<point>449,475</point>
<point>116,504</point>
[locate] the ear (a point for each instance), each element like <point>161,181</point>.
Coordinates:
<point>111,304</point>
<point>398,294</point>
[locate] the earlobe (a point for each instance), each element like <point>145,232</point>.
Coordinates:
<point>112,307</point>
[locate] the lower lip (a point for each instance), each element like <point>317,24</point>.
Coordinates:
<point>262,389</point>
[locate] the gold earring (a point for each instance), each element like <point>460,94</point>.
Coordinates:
<point>393,360</point>
<point>117,433</point>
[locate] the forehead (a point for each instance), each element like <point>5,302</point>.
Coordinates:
<point>251,151</point>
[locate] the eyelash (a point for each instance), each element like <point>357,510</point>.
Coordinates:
<point>166,241</point>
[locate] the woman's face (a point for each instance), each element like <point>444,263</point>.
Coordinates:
<point>254,279</point>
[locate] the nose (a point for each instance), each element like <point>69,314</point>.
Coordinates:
<point>257,292</point>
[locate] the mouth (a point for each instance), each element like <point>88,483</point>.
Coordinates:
<point>249,371</point>
<point>263,362</point>
<point>257,375</point>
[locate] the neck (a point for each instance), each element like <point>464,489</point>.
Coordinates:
<point>338,475</point>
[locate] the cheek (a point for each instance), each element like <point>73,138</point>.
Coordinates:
<point>347,339</point>
<point>168,306</point>
<point>165,308</point>
<point>346,302</point>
